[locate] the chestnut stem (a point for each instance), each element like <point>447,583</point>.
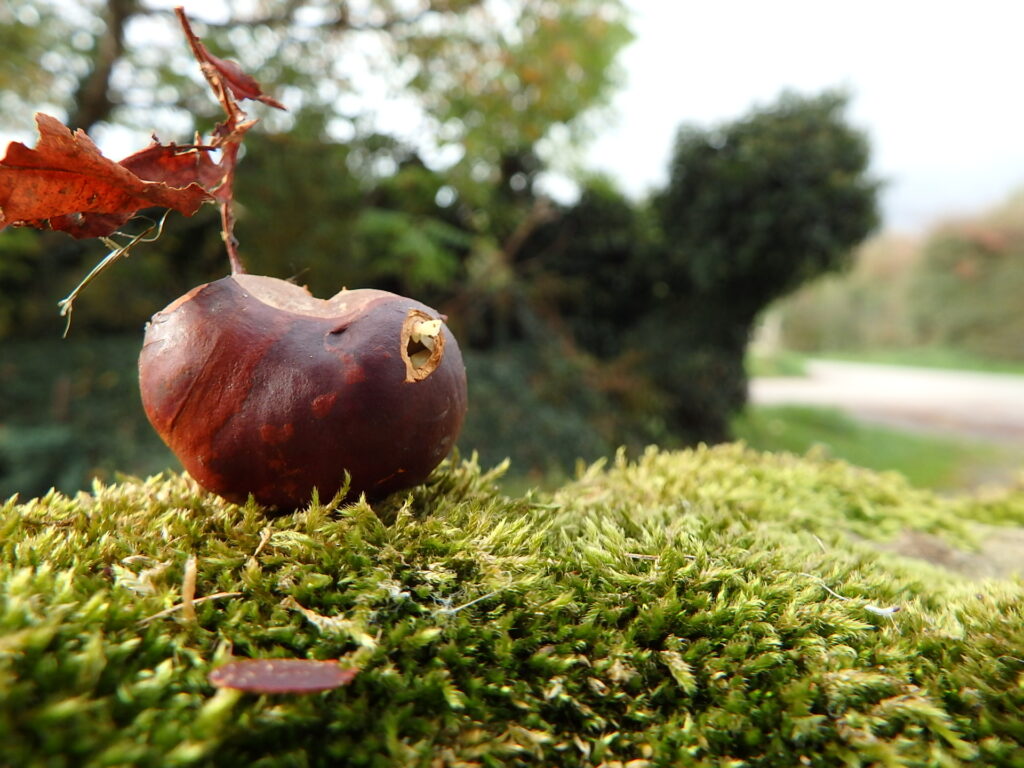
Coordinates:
<point>227,225</point>
<point>227,138</point>
<point>226,193</point>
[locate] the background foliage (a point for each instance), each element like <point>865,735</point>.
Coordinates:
<point>752,209</point>
<point>956,290</point>
<point>588,325</point>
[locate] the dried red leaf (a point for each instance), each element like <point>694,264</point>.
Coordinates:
<point>282,675</point>
<point>65,183</point>
<point>176,166</point>
<point>242,85</point>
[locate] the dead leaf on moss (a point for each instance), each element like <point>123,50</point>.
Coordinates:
<point>282,675</point>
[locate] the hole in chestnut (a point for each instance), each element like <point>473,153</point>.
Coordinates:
<point>422,345</point>
<point>419,352</point>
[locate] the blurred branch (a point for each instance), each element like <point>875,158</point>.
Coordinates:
<point>541,213</point>
<point>93,103</point>
<point>287,17</point>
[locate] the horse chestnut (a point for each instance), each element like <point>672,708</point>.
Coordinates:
<point>259,388</point>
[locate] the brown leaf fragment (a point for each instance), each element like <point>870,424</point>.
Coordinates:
<point>227,79</point>
<point>282,675</point>
<point>176,166</point>
<point>66,183</point>
<point>242,85</point>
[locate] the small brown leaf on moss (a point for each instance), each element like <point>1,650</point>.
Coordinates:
<point>282,675</point>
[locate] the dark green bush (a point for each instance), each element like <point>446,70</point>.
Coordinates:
<point>71,411</point>
<point>672,290</point>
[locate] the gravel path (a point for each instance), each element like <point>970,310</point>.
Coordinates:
<point>987,406</point>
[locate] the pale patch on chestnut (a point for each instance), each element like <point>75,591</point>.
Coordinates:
<point>296,299</point>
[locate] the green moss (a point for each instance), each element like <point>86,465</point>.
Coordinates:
<point>928,461</point>
<point>672,610</point>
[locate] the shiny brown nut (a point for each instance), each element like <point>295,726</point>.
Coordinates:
<point>259,388</point>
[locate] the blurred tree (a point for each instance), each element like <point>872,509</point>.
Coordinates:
<point>458,64</point>
<point>475,87</point>
<point>756,207</point>
<point>752,209</point>
<point>593,264</point>
<point>956,289</point>
<point>585,287</point>
<point>866,307</point>
<point>39,64</point>
<point>965,291</point>
<point>328,221</point>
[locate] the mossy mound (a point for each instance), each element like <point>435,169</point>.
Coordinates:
<point>709,607</point>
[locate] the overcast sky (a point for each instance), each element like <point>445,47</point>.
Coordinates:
<point>938,86</point>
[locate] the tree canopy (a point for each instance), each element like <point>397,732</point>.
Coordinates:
<point>467,82</point>
<point>757,206</point>
<point>415,131</point>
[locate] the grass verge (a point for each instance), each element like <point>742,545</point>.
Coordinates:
<point>928,357</point>
<point>780,363</point>
<point>927,461</point>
